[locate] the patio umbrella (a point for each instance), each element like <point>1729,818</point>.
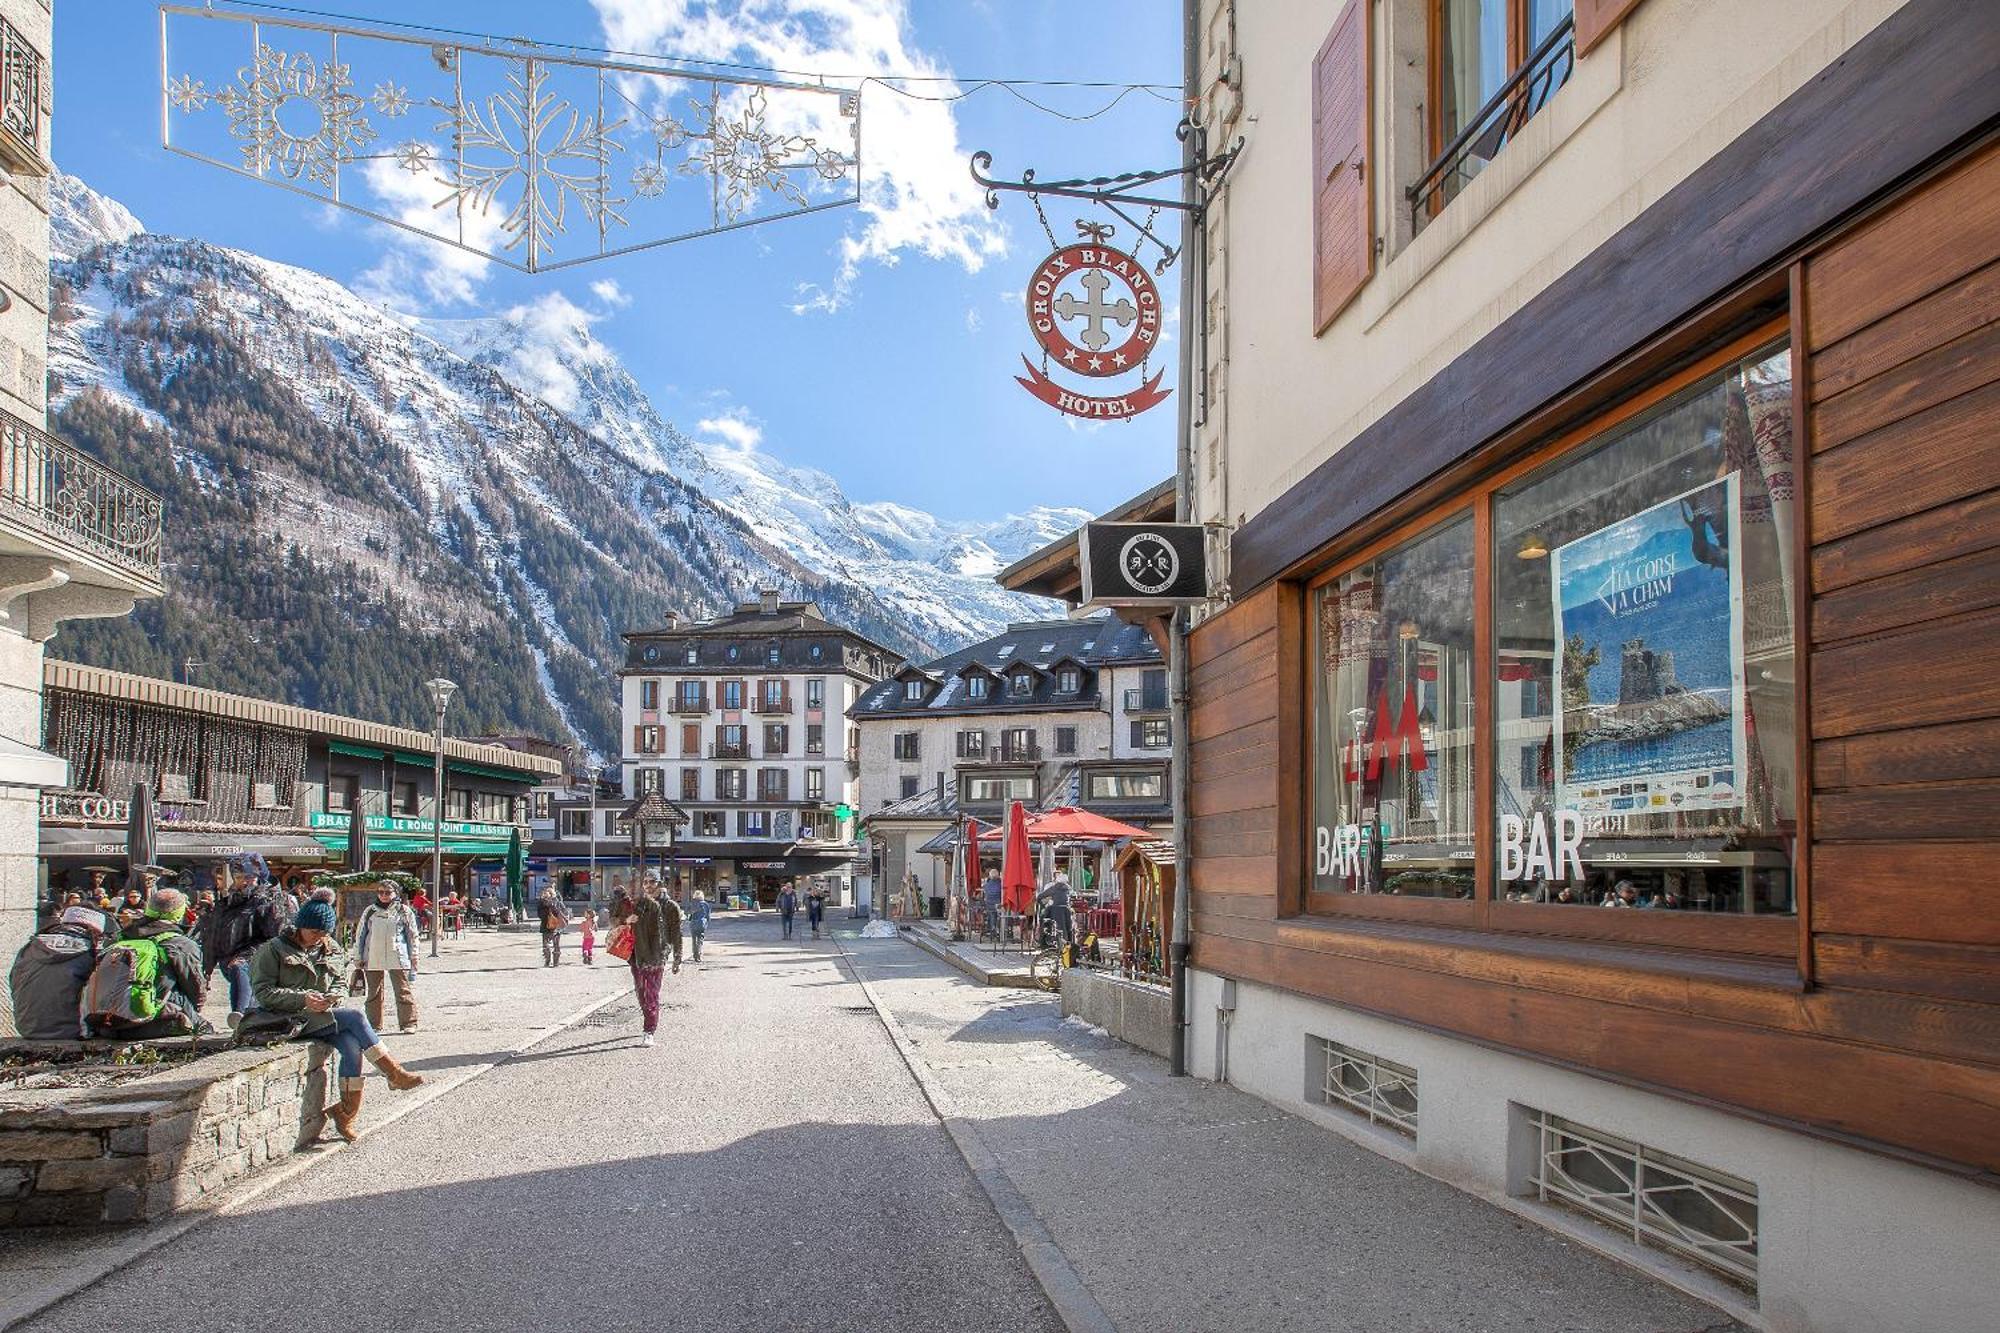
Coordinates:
<point>517,873</point>
<point>1017,868</point>
<point>1067,821</point>
<point>142,842</point>
<point>357,842</point>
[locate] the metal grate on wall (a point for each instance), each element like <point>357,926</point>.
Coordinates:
<point>1660,1201</point>
<point>1380,1091</point>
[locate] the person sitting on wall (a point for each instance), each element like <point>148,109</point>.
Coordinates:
<point>49,973</point>
<point>247,915</point>
<point>301,975</point>
<point>179,978</point>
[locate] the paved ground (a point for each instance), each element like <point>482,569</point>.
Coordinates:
<point>1187,1206</point>
<point>771,1165</point>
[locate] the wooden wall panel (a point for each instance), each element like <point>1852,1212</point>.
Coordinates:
<point>1882,1027</point>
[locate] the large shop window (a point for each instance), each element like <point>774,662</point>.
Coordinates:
<point>1644,677</point>
<point>1392,706</point>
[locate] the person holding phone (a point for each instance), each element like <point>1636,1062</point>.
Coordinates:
<point>302,975</point>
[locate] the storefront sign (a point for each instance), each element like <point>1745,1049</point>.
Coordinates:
<point>401,824</point>
<point>83,805</point>
<point>1531,849</point>
<point>1084,329</point>
<point>1396,736</point>
<point>1142,564</point>
<point>1340,850</point>
<point>1649,634</point>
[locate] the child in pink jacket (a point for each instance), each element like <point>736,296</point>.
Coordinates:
<point>589,935</point>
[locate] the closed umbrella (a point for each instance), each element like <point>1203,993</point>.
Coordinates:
<point>357,841</point>
<point>142,842</point>
<point>517,874</point>
<point>1017,866</point>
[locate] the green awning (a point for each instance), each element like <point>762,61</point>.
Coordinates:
<point>483,771</point>
<point>378,842</point>
<point>358,751</point>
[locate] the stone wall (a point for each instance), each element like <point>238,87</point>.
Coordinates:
<point>1132,1011</point>
<point>79,1157</point>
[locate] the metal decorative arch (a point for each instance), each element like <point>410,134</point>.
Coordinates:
<point>521,154</point>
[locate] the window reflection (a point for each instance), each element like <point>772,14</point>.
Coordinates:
<point>1644,673</point>
<point>1392,763</point>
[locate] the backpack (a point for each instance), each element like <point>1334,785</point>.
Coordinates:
<point>124,987</point>
<point>551,920</point>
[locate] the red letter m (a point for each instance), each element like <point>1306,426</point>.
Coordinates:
<point>1394,739</point>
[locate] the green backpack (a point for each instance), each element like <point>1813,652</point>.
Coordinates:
<point>124,988</point>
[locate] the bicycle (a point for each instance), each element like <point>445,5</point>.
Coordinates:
<point>1045,967</point>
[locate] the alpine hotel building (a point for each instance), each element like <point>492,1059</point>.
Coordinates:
<point>1595,757</point>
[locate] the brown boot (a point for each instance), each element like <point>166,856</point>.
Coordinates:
<point>400,1079</point>
<point>343,1115</point>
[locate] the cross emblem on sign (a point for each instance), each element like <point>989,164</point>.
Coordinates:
<point>1094,311</point>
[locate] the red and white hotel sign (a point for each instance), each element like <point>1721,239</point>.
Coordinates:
<point>1081,329</point>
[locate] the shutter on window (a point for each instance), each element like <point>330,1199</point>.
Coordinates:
<point>1595,18</point>
<point>1343,218</point>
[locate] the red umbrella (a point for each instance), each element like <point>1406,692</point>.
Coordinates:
<point>972,861</point>
<point>1017,867</point>
<point>1067,823</point>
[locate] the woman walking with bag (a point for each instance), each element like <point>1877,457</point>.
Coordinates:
<point>654,929</point>
<point>554,916</point>
<point>385,950</point>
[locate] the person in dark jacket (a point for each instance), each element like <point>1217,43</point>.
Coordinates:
<point>183,982</point>
<point>815,909</point>
<point>245,917</point>
<point>553,917</point>
<point>49,973</point>
<point>788,905</point>
<point>656,928</point>
<point>697,922</point>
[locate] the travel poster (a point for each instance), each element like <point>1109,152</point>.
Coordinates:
<point>1649,635</point>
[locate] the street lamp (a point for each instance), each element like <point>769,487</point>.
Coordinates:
<point>441,691</point>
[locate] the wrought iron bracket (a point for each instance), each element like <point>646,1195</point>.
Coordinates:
<point>1204,172</point>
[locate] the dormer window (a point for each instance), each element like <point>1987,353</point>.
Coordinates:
<point>771,653</point>
<point>693,656</point>
<point>733,652</point>
<point>1067,681</point>
<point>1046,649</point>
<point>913,690</point>
<point>975,687</point>
<point>1024,682</point>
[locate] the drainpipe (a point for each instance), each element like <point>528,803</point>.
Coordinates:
<point>1191,315</point>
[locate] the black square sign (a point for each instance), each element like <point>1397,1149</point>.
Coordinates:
<point>1142,564</point>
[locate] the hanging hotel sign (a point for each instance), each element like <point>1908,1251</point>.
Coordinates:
<point>1095,312</point>
<point>1142,564</point>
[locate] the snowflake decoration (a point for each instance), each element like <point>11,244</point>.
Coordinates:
<point>414,157</point>
<point>189,93</point>
<point>668,132</point>
<point>531,140</point>
<point>749,156</point>
<point>391,99</point>
<point>650,180</point>
<point>296,115</point>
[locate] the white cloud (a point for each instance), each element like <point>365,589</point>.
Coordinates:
<point>734,427</point>
<point>610,293</point>
<point>548,341</point>
<point>972,320</point>
<point>414,271</point>
<point>917,196</point>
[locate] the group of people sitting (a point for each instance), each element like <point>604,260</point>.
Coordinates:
<point>91,974</point>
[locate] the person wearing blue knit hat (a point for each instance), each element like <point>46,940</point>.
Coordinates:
<point>302,975</point>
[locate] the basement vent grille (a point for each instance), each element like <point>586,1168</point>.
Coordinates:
<point>1660,1201</point>
<point>1380,1091</point>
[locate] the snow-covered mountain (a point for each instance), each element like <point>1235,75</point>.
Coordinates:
<point>498,493</point>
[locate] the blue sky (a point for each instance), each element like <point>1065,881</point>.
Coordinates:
<point>879,344</point>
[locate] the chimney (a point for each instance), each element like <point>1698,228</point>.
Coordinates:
<point>767,601</point>
<point>672,620</point>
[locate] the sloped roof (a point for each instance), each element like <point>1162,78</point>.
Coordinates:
<point>1095,642</point>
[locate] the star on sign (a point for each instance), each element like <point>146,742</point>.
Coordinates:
<point>1097,363</point>
<point>1118,359</point>
<point>1069,355</point>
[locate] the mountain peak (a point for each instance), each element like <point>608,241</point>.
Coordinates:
<point>80,217</point>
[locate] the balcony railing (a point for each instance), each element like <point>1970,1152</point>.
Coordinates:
<point>1145,701</point>
<point>763,705</point>
<point>1494,125</point>
<point>691,703</point>
<point>21,73</point>
<point>1019,752</point>
<point>719,750</point>
<point>65,493</point>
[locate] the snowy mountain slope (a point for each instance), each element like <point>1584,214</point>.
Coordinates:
<point>501,482</point>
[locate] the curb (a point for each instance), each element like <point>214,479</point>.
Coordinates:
<point>1074,1305</point>
<point>100,1261</point>
<point>944,953</point>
